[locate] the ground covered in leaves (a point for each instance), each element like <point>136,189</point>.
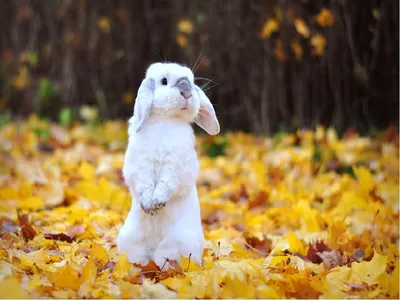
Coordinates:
<point>302,215</point>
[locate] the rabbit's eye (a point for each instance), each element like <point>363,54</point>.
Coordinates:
<point>164,81</point>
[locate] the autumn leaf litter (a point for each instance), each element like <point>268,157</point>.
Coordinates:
<point>302,215</point>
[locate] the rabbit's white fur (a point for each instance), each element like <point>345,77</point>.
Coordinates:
<point>161,168</point>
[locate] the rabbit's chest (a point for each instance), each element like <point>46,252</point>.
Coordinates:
<point>181,161</point>
<point>163,153</point>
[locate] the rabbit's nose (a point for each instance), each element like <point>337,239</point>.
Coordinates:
<point>186,95</point>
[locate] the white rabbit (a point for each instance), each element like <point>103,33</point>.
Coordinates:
<point>161,167</point>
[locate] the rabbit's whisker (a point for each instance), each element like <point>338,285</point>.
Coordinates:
<point>198,57</point>
<point>195,69</point>
<point>210,87</point>
<point>211,80</point>
<point>203,78</point>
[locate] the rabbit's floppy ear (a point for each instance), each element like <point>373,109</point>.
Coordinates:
<point>206,117</point>
<point>143,103</point>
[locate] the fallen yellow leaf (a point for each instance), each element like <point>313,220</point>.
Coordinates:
<point>10,288</point>
<point>275,226</point>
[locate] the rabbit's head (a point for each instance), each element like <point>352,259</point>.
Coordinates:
<point>169,92</point>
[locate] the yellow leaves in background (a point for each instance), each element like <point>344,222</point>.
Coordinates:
<point>297,50</point>
<point>270,26</point>
<point>325,18</point>
<point>22,80</point>
<point>31,203</point>
<point>289,242</point>
<point>365,179</point>
<point>86,171</point>
<point>318,42</point>
<point>104,24</point>
<point>185,28</point>
<point>301,27</point>
<point>89,113</point>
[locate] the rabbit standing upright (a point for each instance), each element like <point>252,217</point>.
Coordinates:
<point>161,167</point>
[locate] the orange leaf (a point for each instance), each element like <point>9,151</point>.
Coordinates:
<point>325,18</point>
<point>182,40</point>
<point>150,270</point>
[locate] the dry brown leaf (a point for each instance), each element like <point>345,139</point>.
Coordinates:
<point>59,237</point>
<point>27,230</point>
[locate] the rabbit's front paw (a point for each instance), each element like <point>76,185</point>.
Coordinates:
<point>153,206</point>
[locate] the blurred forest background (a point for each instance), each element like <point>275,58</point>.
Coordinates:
<point>273,64</point>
